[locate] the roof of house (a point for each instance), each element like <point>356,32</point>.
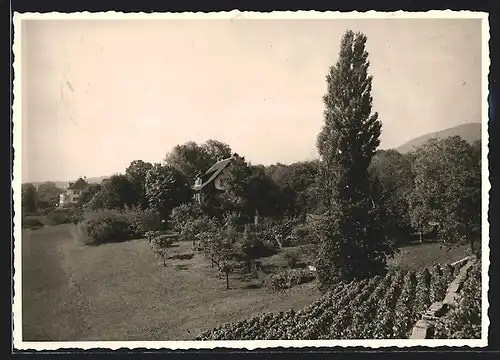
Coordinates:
<point>214,171</point>
<point>79,184</point>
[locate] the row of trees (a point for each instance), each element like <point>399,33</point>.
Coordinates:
<point>43,197</point>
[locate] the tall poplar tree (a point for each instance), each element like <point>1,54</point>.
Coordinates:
<point>352,233</point>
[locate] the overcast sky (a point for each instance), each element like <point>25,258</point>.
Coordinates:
<point>98,94</point>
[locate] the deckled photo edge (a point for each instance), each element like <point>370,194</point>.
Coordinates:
<point>249,345</point>
<point>235,14</point>
<point>16,183</point>
<point>485,183</point>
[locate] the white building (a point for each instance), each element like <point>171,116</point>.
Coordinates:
<point>72,193</point>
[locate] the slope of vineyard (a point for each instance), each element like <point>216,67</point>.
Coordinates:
<point>383,307</point>
<point>463,321</point>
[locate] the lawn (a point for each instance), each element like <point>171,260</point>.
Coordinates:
<point>417,255</point>
<point>122,291</point>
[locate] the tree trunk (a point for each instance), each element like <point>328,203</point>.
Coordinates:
<point>227,281</point>
<point>420,234</point>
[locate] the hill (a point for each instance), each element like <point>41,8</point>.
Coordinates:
<point>468,132</point>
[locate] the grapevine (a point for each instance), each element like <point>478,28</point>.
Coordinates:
<point>381,307</point>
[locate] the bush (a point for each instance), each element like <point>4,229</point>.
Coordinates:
<point>183,214</point>
<point>301,234</point>
<point>253,245</point>
<point>31,223</point>
<point>292,258</point>
<point>64,216</point>
<point>143,221</point>
<point>57,218</point>
<point>104,226</point>
<point>289,278</point>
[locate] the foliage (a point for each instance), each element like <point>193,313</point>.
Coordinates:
<point>393,172</point>
<point>383,307</point>
<point>353,238</point>
<point>216,150</point>
<point>192,159</point>
<point>183,215</point>
<point>464,321</point>
<point>64,216</point>
<point>28,198</point>
<point>253,243</point>
<point>160,244</point>
<point>447,190</point>
<point>292,258</point>
<point>31,223</point>
<point>115,193</point>
<point>166,188</point>
<point>250,191</point>
<point>88,193</point>
<point>302,234</point>
<point>300,184</point>
<point>278,230</point>
<point>107,225</point>
<point>289,278</point>
<point>218,247</point>
<point>142,221</point>
<point>48,195</point>
<point>137,171</point>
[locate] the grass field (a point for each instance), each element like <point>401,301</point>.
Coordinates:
<point>122,292</point>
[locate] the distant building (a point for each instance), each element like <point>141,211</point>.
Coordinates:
<point>73,192</point>
<point>212,179</point>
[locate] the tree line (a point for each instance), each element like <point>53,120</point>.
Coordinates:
<point>369,199</point>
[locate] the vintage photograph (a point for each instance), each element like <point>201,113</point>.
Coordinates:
<point>280,179</point>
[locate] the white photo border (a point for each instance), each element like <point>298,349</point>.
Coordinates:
<point>19,344</point>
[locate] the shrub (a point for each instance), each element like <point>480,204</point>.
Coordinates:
<point>309,253</point>
<point>31,223</point>
<point>104,226</point>
<point>301,234</point>
<point>143,221</point>
<point>151,234</point>
<point>253,246</point>
<point>64,216</point>
<point>289,278</point>
<point>57,218</point>
<point>292,258</point>
<point>183,214</point>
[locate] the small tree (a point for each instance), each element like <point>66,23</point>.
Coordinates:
<point>227,268</point>
<point>160,245</point>
<point>218,246</point>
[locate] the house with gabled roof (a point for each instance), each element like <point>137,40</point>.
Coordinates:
<point>213,178</point>
<point>72,193</point>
